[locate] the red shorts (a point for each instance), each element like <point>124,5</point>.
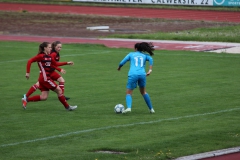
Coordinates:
<point>47,85</point>
<point>55,75</point>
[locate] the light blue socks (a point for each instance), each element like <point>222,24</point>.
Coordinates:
<point>129,101</point>
<point>148,101</point>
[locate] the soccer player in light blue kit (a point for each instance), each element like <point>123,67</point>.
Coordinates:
<point>137,74</point>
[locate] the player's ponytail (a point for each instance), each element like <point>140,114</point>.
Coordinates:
<point>42,46</point>
<point>146,47</point>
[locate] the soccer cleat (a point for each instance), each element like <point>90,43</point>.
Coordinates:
<point>71,108</point>
<point>67,98</point>
<point>127,110</point>
<point>152,110</point>
<point>24,103</point>
<point>24,96</point>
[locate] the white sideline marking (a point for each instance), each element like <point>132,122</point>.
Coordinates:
<point>69,55</point>
<point>117,126</point>
<point>14,61</point>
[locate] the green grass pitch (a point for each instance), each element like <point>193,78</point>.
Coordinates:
<point>195,96</point>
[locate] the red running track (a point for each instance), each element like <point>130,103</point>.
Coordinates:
<point>220,16</point>
<point>118,43</point>
<point>232,156</point>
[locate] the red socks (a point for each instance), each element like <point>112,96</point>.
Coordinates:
<point>34,98</point>
<point>31,90</point>
<point>63,100</point>
<point>61,85</point>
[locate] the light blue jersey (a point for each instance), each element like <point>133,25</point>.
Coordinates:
<point>137,62</point>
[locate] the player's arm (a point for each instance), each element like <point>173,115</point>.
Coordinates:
<point>149,71</point>
<point>60,63</point>
<point>125,59</point>
<point>64,63</point>
<point>150,59</point>
<point>55,65</point>
<point>59,69</point>
<point>29,63</point>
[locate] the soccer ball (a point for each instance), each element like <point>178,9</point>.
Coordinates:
<point>119,108</point>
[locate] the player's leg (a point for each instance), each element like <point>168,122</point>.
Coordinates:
<point>147,99</point>
<point>128,101</point>
<point>142,89</point>
<point>61,85</point>
<point>36,98</point>
<point>62,99</point>
<point>57,77</point>
<point>31,90</point>
<point>131,84</point>
<point>43,96</point>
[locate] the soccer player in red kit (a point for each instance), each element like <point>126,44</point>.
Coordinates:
<point>56,48</point>
<point>45,62</point>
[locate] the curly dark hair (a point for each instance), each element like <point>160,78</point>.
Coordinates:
<point>145,47</point>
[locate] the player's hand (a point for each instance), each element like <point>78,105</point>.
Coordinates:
<point>70,63</point>
<point>149,72</point>
<point>63,71</point>
<point>27,75</point>
<point>119,68</point>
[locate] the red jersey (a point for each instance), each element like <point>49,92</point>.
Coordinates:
<point>56,57</point>
<point>45,62</point>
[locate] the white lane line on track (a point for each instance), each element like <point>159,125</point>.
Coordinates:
<point>116,126</point>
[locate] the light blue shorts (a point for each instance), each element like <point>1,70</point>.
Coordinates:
<point>135,80</point>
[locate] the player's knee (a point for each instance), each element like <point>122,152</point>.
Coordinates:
<point>37,84</point>
<point>43,98</point>
<point>58,91</point>
<point>142,91</point>
<point>61,80</point>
